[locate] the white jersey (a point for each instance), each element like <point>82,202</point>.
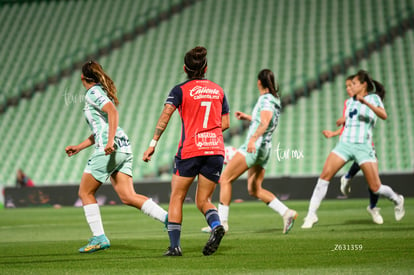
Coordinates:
<point>97,119</point>
<point>360,120</point>
<point>266,102</point>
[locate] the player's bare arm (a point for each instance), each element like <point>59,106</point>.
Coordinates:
<point>74,149</point>
<point>380,112</point>
<point>329,134</point>
<point>110,109</point>
<point>159,129</point>
<point>242,116</point>
<point>163,120</point>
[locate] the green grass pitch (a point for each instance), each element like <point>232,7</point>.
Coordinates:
<point>345,241</point>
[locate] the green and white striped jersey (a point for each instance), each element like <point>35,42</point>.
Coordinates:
<point>266,102</point>
<point>97,119</point>
<point>360,120</point>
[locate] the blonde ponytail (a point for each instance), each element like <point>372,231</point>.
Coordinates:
<point>92,70</point>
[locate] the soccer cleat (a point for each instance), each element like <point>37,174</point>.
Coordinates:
<point>399,209</point>
<point>376,216</point>
<point>207,229</point>
<point>288,220</point>
<point>345,185</point>
<point>176,251</point>
<point>95,243</point>
<point>214,241</point>
<point>310,220</point>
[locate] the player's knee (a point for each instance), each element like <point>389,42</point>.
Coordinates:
<point>200,203</point>
<point>177,199</point>
<point>225,181</point>
<point>127,199</point>
<point>326,175</point>
<point>200,206</point>
<point>374,187</point>
<point>87,198</point>
<point>84,195</point>
<point>252,191</point>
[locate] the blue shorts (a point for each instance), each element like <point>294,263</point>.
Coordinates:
<point>358,152</point>
<point>102,166</point>
<point>208,166</point>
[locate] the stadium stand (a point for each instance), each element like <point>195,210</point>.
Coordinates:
<point>311,46</point>
<point>53,35</point>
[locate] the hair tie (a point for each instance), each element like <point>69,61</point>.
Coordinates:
<point>202,67</point>
<point>204,64</point>
<point>187,68</point>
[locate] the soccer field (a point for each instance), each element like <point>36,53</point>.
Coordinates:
<point>345,241</point>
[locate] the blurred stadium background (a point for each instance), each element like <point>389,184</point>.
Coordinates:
<point>311,45</point>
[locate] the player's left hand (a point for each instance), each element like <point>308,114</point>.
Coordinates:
<point>109,148</point>
<point>251,147</point>
<point>148,153</point>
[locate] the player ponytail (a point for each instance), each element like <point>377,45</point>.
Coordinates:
<point>195,62</point>
<point>93,73</point>
<point>379,89</point>
<point>267,78</point>
<point>373,86</point>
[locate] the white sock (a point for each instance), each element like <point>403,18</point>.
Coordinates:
<point>318,195</point>
<point>223,211</point>
<point>387,192</point>
<point>93,217</point>
<point>153,210</point>
<point>278,206</point>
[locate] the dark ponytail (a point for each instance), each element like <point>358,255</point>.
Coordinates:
<point>267,79</point>
<point>373,86</point>
<point>379,89</point>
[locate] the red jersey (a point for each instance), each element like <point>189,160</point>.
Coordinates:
<point>343,115</point>
<point>201,104</point>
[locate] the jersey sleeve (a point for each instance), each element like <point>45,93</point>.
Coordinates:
<point>97,97</point>
<point>266,103</point>
<point>376,101</point>
<point>226,108</point>
<point>175,97</point>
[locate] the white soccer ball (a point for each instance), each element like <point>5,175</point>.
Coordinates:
<point>229,152</point>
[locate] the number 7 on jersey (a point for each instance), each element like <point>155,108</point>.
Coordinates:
<point>206,104</point>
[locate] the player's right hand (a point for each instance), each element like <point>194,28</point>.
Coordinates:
<point>327,133</point>
<point>240,115</point>
<point>72,150</point>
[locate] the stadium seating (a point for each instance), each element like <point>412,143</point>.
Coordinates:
<point>298,40</point>
<point>52,35</point>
